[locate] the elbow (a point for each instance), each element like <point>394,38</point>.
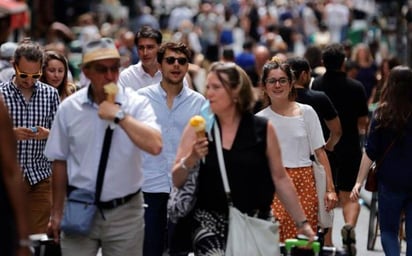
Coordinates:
<point>157,147</point>
<point>338,134</point>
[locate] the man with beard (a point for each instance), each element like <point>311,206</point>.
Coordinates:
<point>32,106</point>
<point>174,104</point>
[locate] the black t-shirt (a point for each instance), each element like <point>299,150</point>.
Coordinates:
<point>321,103</point>
<point>349,98</point>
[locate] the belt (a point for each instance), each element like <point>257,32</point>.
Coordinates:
<point>117,201</point>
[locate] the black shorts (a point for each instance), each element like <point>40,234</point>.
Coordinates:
<point>345,168</point>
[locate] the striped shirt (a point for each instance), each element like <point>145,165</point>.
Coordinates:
<point>38,111</point>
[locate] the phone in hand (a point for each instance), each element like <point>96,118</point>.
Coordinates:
<point>34,129</point>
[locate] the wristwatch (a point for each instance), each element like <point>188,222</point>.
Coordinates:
<point>120,115</point>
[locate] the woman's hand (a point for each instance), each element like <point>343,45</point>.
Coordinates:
<point>307,231</point>
<point>200,148</point>
<point>331,200</point>
<point>354,195</point>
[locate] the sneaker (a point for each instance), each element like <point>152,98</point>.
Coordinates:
<point>349,239</point>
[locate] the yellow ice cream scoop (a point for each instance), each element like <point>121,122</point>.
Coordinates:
<point>111,91</point>
<point>199,124</point>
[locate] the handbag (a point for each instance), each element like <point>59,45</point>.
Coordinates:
<point>325,218</point>
<point>79,211</point>
<point>81,204</point>
<point>182,200</point>
<point>247,235</point>
<point>371,183</point>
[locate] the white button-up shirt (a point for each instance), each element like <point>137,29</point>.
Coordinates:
<point>77,137</point>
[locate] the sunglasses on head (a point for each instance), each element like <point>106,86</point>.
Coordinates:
<point>172,60</point>
<point>23,75</point>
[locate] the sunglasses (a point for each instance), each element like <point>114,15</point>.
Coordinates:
<point>23,75</point>
<point>282,81</point>
<point>104,69</point>
<point>171,60</point>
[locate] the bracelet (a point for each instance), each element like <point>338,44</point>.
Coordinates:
<point>25,243</point>
<point>182,164</point>
<point>300,224</point>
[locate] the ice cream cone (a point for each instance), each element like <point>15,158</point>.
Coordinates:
<point>199,124</point>
<point>111,91</point>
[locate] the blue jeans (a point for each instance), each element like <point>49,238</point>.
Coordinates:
<point>155,223</point>
<point>391,204</point>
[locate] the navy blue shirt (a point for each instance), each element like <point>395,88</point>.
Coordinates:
<point>395,170</point>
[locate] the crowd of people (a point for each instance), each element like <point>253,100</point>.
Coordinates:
<point>276,108</point>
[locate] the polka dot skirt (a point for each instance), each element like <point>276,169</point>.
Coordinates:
<point>304,182</point>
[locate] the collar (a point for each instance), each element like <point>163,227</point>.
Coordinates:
<point>87,95</point>
<point>139,67</point>
<point>15,87</point>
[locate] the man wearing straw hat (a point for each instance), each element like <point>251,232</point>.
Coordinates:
<point>75,145</point>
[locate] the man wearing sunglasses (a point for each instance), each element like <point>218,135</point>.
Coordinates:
<point>32,106</point>
<point>75,146</point>
<point>146,71</point>
<point>174,104</point>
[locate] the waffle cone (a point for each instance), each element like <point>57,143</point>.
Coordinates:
<point>111,98</point>
<point>201,134</point>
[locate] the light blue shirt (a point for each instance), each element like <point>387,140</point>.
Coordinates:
<point>77,137</point>
<point>157,169</point>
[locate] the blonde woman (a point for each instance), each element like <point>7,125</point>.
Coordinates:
<point>252,158</point>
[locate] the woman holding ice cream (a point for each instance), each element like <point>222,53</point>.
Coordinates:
<point>252,158</point>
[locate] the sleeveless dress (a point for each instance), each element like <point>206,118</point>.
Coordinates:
<point>250,181</point>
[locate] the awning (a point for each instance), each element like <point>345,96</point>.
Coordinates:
<point>18,12</point>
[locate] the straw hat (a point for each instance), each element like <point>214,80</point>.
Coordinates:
<point>100,49</point>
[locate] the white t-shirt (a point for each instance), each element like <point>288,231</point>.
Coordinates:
<point>292,133</point>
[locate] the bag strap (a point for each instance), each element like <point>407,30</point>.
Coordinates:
<point>222,166</point>
<point>103,162</point>
<point>312,151</point>
<point>388,148</point>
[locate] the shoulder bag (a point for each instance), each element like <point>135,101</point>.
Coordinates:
<point>81,204</point>
<point>325,218</point>
<point>371,183</point>
<point>247,235</point>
